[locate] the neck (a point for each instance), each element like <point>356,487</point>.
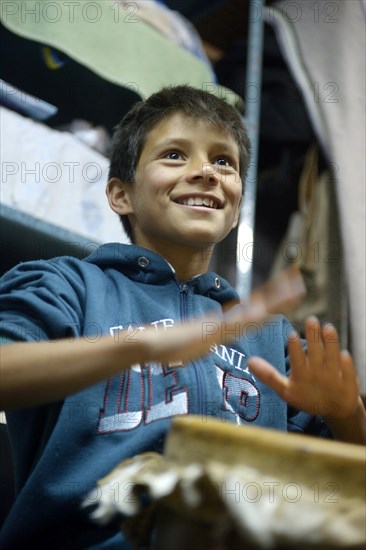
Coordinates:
<point>188,265</point>
<point>186,261</point>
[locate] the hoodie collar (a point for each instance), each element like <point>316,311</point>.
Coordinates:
<point>143,265</point>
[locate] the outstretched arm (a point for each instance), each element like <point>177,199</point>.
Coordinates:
<point>323,381</point>
<point>35,373</point>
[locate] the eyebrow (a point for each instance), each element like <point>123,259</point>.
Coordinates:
<point>171,141</point>
<point>223,145</point>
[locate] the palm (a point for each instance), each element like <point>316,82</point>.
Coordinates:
<point>322,380</point>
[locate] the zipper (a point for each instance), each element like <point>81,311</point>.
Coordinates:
<point>183,292</point>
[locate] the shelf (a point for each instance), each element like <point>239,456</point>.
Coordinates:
<point>24,237</point>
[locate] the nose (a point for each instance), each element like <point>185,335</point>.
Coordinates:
<point>203,172</point>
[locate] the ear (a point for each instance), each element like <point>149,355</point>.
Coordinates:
<point>118,193</point>
<point>235,223</point>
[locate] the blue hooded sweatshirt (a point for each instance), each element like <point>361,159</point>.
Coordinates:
<point>61,450</point>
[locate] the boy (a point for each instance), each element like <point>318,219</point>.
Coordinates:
<point>101,374</point>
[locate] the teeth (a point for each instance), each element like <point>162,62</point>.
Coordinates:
<point>198,201</point>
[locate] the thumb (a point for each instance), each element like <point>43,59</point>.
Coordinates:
<point>267,373</point>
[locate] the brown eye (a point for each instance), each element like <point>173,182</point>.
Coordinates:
<point>226,162</point>
<point>222,161</point>
<point>173,155</point>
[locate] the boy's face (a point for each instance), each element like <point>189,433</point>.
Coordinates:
<point>187,190</point>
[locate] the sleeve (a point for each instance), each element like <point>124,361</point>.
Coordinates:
<point>41,300</point>
<point>300,422</point>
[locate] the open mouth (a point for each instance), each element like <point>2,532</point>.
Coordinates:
<point>207,202</point>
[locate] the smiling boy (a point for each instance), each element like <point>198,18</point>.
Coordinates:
<point>187,193</point>
<point>197,152</point>
<point>97,362</point>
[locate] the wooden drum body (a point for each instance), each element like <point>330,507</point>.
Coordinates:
<point>219,486</point>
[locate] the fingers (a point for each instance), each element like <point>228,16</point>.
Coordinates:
<point>240,316</point>
<point>348,368</point>
<point>323,346</point>
<point>268,375</point>
<point>297,357</point>
<point>282,292</point>
<point>315,346</point>
<point>278,294</point>
<point>332,349</point>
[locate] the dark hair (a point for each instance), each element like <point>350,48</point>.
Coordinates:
<point>131,133</point>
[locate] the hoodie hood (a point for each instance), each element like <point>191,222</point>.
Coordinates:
<point>142,265</point>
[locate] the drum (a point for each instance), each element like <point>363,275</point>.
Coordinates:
<point>219,486</point>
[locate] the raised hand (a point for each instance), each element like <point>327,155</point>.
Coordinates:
<point>322,381</point>
<point>193,338</point>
